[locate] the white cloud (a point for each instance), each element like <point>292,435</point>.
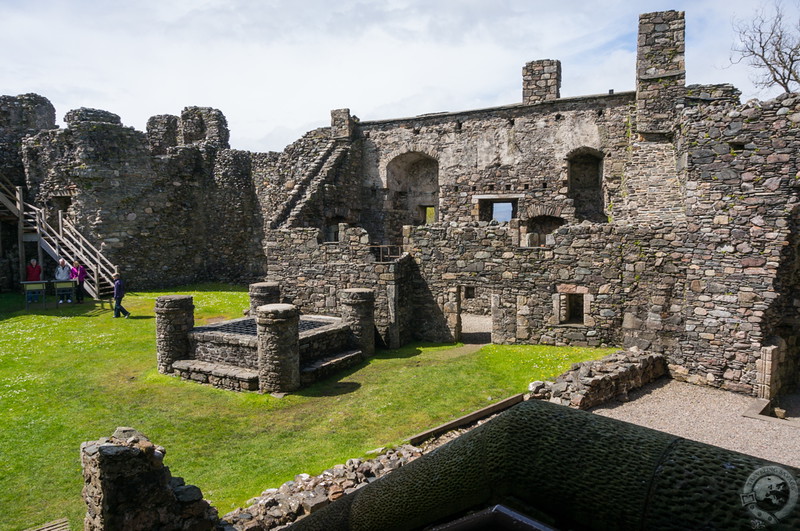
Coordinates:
<point>275,68</point>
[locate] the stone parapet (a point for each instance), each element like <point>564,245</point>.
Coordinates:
<point>91,115</point>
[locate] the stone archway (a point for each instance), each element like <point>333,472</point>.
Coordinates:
<point>412,181</point>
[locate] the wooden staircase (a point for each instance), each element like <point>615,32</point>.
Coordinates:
<point>63,241</point>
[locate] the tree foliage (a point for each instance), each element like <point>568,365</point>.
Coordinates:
<point>770,43</point>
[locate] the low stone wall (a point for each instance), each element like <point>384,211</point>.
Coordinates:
<point>127,486</point>
<point>592,383</point>
<point>207,343</point>
<point>307,494</point>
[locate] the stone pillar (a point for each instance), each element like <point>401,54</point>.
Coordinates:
<point>452,312</point>
<point>278,348</point>
<point>660,70</point>
<point>541,81</point>
<point>174,320</point>
<point>127,486</point>
<point>358,310</point>
<point>262,293</point>
<point>342,124</point>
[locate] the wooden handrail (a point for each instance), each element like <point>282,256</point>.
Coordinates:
<point>65,241</point>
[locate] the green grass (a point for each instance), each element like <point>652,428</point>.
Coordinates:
<point>74,374</point>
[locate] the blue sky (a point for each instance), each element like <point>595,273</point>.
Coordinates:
<point>276,68</point>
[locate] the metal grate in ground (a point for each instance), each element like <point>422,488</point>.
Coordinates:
<point>62,524</point>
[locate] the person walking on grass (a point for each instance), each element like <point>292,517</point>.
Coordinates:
<point>119,292</point>
<point>78,274</point>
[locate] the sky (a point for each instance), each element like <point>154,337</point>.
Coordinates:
<point>276,68</point>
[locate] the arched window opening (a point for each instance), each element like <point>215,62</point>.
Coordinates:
<point>413,183</point>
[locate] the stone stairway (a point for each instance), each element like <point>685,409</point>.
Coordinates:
<point>323,367</point>
<point>235,378</point>
<point>309,184</point>
<point>221,375</point>
<point>320,179</point>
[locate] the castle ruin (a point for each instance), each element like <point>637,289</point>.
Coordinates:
<point>665,218</point>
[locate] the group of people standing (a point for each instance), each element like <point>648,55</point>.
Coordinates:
<point>76,272</point>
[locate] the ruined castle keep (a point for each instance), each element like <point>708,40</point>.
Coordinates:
<point>665,218</point>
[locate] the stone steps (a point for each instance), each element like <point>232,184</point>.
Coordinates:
<point>219,375</point>
<point>324,367</point>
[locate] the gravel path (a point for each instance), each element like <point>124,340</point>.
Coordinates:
<point>711,416</point>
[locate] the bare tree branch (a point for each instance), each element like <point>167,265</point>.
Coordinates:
<point>771,47</point>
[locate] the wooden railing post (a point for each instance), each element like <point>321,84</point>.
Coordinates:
<point>97,278</point>
<point>20,232</point>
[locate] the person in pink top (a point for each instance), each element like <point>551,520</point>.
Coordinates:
<point>78,273</point>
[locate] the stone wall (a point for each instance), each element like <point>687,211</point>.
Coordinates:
<point>621,274</point>
<point>591,383</point>
<point>174,214</point>
<point>22,115</point>
<point>311,272</point>
<point>518,154</point>
<point>742,209</point>
<point>127,486</point>
<point>207,343</point>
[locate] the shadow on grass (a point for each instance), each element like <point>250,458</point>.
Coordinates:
<point>204,287</point>
<point>410,350</point>
<point>13,305</point>
<point>331,387</point>
<point>334,384</point>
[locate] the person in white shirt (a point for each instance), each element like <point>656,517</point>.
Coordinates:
<point>62,273</point>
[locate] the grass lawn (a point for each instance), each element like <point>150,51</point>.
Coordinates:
<point>74,374</point>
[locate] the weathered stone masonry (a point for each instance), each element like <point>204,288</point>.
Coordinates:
<point>272,350</point>
<point>664,218</point>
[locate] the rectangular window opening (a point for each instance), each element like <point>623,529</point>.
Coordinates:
<point>427,215</point>
<point>501,210</point>
<point>469,292</point>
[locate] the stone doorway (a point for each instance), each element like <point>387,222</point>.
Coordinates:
<point>475,315</point>
<point>476,329</point>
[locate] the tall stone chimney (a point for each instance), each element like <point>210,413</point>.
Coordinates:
<point>541,81</point>
<point>660,70</point>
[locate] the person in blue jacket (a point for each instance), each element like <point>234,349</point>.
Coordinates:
<point>119,292</point>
